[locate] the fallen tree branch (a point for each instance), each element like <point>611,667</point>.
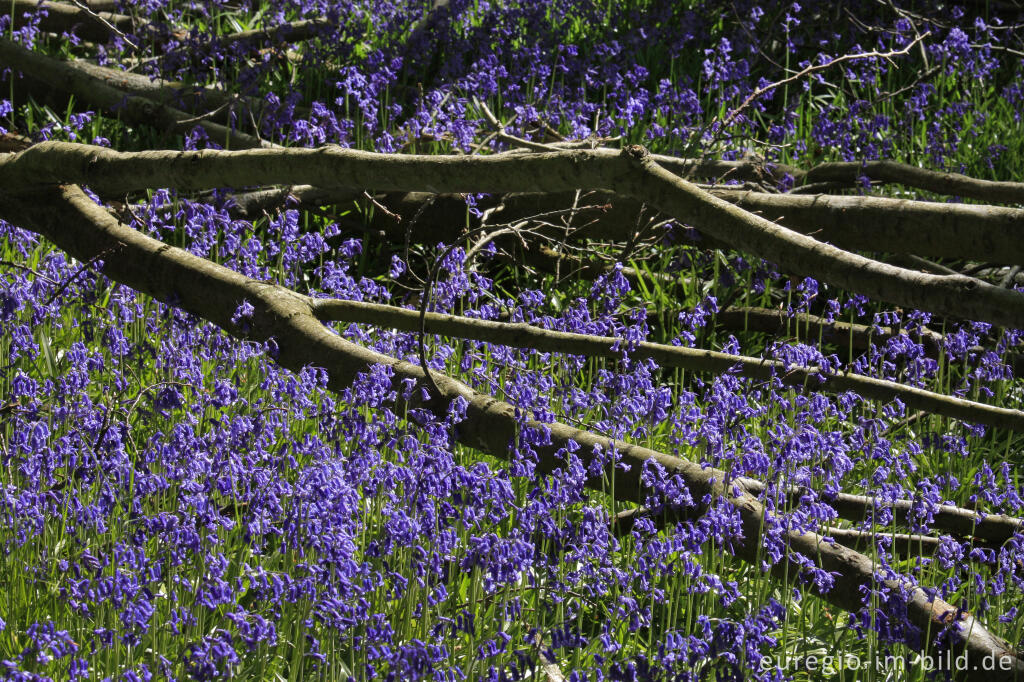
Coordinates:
<point>879,224</point>
<point>912,262</point>
<point>83,229</point>
<point>882,224</point>
<point>88,23</point>
<point>920,178</point>
<point>191,98</point>
<point>900,544</point>
<point>846,174</point>
<point>97,22</point>
<point>808,326</point>
<point>105,19</point>
<point>945,294</point>
<point>964,523</point>
<point>87,87</point>
<point>990,233</point>
<point>521,335</point>
<point>857,337</point>
<point>1000,273</point>
<point>632,172</point>
<point>987,530</point>
<point>291,32</point>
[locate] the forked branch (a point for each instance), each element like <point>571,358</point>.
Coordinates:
<point>84,229</point>
<point>631,172</point>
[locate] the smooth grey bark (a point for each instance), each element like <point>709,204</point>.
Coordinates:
<point>631,172</point>
<point>94,90</point>
<point>211,103</point>
<point>66,216</point>
<point>521,335</point>
<point>66,17</point>
<point>921,178</point>
<point>923,228</point>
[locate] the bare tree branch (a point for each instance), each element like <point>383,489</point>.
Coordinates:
<point>631,172</point>
<point>991,530</point>
<point>97,92</point>
<point>900,544</point>
<point>521,335</point>
<point>83,229</point>
<point>85,20</point>
<point>964,523</point>
<point>881,224</point>
<point>814,68</point>
<point>856,337</point>
<point>932,181</point>
<point>192,98</point>
<point>836,332</point>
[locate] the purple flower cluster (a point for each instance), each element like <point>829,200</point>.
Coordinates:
<point>175,505</point>
<point>170,483</point>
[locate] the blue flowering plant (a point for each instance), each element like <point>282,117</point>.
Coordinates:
<point>451,340</point>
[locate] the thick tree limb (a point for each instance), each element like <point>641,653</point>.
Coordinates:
<point>191,98</point>
<point>920,178</point>
<point>849,174</point>
<point>944,294</point>
<point>901,544</point>
<point>964,523</point>
<point>85,230</point>
<point>96,21</point>
<point>844,174</point>
<point>211,104</point>
<point>96,91</point>
<point>878,224</point>
<point>992,529</point>
<point>631,172</point>
<point>989,233</point>
<point>520,335</point>
<point>93,24</point>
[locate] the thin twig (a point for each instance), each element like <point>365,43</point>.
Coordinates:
<point>814,68</point>
<point>97,17</point>
<point>62,213</point>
